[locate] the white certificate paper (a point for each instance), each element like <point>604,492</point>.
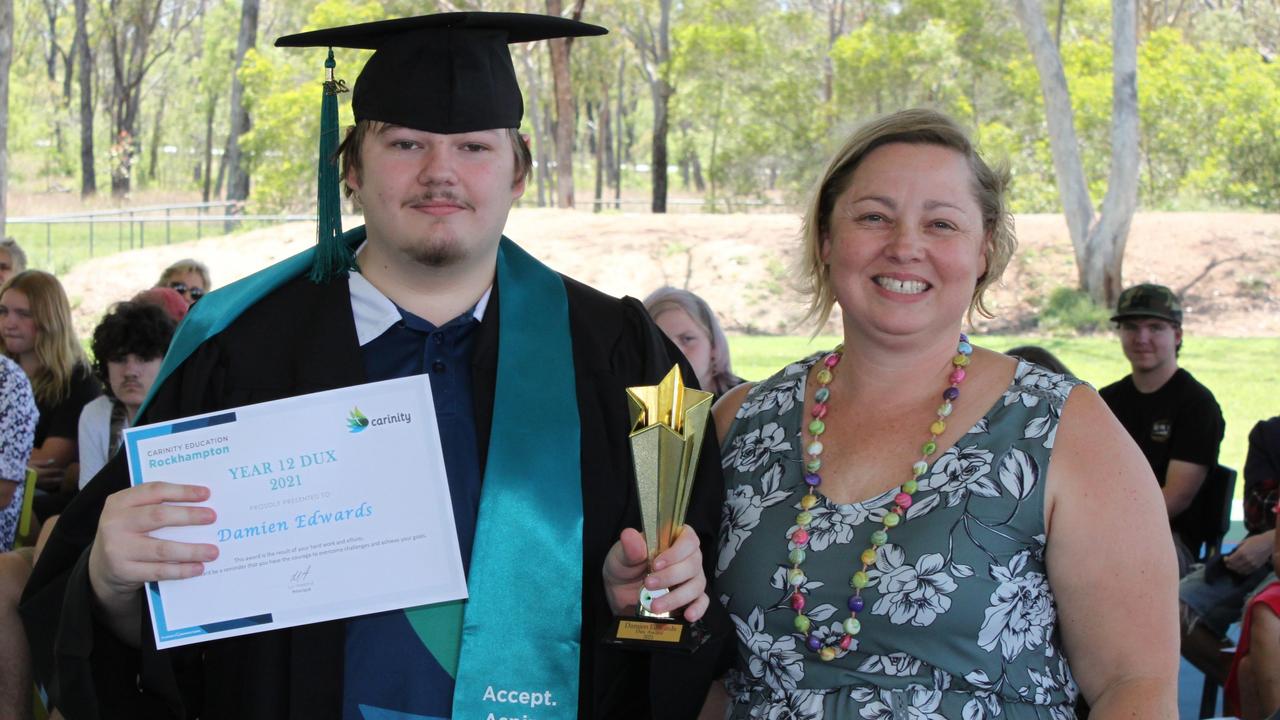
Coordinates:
<point>329,505</point>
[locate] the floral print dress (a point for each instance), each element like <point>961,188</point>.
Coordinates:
<point>959,622</point>
<point>18,417</point>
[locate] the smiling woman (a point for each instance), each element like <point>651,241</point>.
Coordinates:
<point>931,559</point>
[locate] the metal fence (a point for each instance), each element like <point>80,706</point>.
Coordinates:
<point>82,235</point>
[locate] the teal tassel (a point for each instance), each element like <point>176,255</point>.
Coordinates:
<point>333,256</point>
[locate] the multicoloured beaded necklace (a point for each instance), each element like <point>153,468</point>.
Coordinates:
<point>901,501</point>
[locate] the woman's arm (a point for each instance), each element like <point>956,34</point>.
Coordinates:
<point>1111,565</point>
<point>51,459</point>
<point>726,408</point>
<point>8,488</point>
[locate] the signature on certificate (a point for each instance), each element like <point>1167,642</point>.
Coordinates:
<point>300,581</point>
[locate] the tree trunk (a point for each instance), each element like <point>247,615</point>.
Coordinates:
<point>156,133</point>
<point>662,92</point>
<point>1102,275</point>
<point>695,164</point>
<point>606,135</point>
<point>544,155</point>
<point>603,145</point>
<point>661,97</point>
<point>222,173</point>
<point>563,85</point>
<point>6,56</point>
<point>533,87</point>
<point>617,153</point>
<point>207,163</point>
<point>88,176</point>
<point>1099,250</point>
<point>51,11</point>
<point>238,181</point>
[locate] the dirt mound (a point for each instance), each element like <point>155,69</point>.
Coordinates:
<point>1227,265</point>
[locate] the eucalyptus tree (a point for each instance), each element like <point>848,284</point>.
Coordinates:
<point>652,39</point>
<point>565,112</point>
<point>140,34</point>
<point>1097,238</point>
<point>238,185</point>
<point>84,56</point>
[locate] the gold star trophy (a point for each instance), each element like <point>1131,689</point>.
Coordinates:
<point>668,424</point>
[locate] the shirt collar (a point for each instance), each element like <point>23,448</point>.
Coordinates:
<point>374,312</point>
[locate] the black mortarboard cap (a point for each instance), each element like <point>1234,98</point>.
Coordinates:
<point>444,73</point>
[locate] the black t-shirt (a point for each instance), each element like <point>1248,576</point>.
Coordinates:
<point>63,419</point>
<point>1180,421</point>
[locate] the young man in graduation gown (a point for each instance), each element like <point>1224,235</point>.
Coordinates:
<point>528,371</point>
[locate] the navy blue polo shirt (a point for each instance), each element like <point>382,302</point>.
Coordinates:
<point>389,674</point>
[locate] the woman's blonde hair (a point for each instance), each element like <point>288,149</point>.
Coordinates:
<point>182,267</point>
<point>56,347</point>
<point>916,127</point>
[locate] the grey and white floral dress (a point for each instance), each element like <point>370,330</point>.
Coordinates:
<point>959,622</point>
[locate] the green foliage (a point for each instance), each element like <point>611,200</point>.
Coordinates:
<point>881,69</point>
<point>1243,167</point>
<point>1070,310</point>
<point>752,129</point>
<point>282,88</point>
<point>763,94</point>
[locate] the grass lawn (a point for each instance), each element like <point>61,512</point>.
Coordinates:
<point>1241,372</point>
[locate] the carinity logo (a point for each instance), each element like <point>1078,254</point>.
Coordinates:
<point>356,421</point>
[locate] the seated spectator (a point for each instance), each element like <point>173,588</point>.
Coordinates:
<point>128,347</point>
<point>12,259</point>
<point>1174,419</point>
<point>35,325</point>
<point>17,432</point>
<point>190,278</point>
<point>689,322</point>
<point>1213,596</point>
<point>1039,356</point>
<point>1253,688</point>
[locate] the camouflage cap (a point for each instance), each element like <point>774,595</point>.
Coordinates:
<point>1148,300</point>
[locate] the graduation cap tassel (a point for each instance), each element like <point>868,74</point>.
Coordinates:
<point>332,254</point>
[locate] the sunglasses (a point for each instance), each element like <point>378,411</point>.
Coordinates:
<point>194,293</point>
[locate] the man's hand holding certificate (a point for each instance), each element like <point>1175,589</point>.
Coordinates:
<point>301,510</point>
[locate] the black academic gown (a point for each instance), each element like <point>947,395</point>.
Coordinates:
<point>302,339</point>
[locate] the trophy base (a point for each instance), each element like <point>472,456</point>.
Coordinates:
<point>654,633</point>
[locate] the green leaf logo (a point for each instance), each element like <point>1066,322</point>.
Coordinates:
<point>356,421</point>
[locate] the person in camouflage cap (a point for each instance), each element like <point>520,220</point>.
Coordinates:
<point>1178,424</point>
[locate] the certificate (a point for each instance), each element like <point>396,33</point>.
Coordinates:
<point>328,506</point>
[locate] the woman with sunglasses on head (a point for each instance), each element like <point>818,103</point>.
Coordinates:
<point>35,326</point>
<point>190,278</point>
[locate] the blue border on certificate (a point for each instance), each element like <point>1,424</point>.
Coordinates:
<point>153,588</point>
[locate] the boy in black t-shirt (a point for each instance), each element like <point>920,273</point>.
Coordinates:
<point>1172,417</point>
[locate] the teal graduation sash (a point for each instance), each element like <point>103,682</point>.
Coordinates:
<point>513,647</point>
